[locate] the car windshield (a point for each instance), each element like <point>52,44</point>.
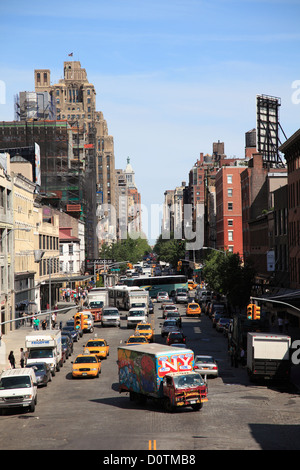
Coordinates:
<point>110,312</point>
<point>193,306</point>
<point>170,307</point>
<point>204,360</point>
<point>8,383</point>
<point>85,360</point>
<point>40,353</point>
<point>36,366</point>
<point>141,339</point>
<point>96,303</point>
<point>170,323</point>
<point>223,320</point>
<point>137,313</point>
<point>144,327</point>
<point>95,343</point>
<point>192,380</point>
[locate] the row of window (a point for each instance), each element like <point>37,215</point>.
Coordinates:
<point>48,242</point>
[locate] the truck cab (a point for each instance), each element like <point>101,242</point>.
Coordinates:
<point>184,389</point>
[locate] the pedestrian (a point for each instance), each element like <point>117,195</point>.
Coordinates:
<point>22,360</point>
<point>36,323</point>
<point>12,360</point>
<point>231,353</point>
<point>236,359</point>
<point>44,324</point>
<point>242,356</point>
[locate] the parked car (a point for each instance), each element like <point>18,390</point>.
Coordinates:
<point>71,323</point>
<point>161,296</point>
<point>42,372</point>
<point>222,323</point>
<point>215,318</point>
<point>206,365</point>
<point>72,331</point>
<point>69,336</point>
<point>175,337</point>
<point>67,345</point>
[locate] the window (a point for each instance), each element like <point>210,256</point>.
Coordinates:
<point>230,222</point>
<point>229,192</point>
<point>230,206</point>
<point>71,266</point>
<point>61,249</point>
<point>71,249</point>
<point>229,179</point>
<point>230,235</point>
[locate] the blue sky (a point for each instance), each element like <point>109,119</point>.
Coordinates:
<point>172,76</point>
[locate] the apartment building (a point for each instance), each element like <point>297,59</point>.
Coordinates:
<point>229,235</point>
<point>7,302</point>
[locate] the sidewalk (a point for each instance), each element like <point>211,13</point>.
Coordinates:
<point>14,340</point>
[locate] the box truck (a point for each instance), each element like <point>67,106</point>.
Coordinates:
<point>162,373</point>
<point>45,346</point>
<point>268,356</point>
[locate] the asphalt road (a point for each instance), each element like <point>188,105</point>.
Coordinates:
<point>90,414</point>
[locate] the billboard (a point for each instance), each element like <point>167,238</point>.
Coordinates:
<point>267,130</point>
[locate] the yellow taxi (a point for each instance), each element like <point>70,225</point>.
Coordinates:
<point>136,339</point>
<point>193,309</point>
<point>97,346</point>
<point>86,365</point>
<point>192,285</point>
<point>145,329</point>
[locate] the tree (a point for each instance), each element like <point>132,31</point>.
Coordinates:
<point>227,275</point>
<point>170,251</point>
<point>129,249</point>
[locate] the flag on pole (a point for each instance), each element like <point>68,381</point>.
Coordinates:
<point>70,55</point>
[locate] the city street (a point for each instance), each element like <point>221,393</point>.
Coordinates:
<point>87,414</point>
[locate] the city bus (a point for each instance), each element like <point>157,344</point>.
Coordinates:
<point>118,296</point>
<point>157,284</point>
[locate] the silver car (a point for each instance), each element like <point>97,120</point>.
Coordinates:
<point>169,325</point>
<point>206,365</point>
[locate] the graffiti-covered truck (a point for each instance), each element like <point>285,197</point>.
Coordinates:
<point>162,373</point>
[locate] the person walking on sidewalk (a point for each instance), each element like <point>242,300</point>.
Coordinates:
<point>12,360</point>
<point>22,360</point>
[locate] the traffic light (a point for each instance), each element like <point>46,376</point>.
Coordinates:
<point>250,311</point>
<point>98,277</point>
<point>179,265</point>
<point>78,321</point>
<point>256,312</point>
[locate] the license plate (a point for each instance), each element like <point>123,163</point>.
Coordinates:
<point>192,402</point>
<point>84,373</point>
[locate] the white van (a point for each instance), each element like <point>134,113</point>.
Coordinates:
<point>18,389</point>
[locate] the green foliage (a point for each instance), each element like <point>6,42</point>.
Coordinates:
<point>170,250</point>
<point>227,275</point>
<point>130,249</point>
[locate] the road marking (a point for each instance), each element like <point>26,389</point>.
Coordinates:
<point>150,445</point>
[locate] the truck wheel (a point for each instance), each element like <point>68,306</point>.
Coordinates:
<point>168,407</point>
<point>197,406</point>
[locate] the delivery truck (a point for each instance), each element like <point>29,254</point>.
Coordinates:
<point>97,299</point>
<point>138,298</point>
<point>162,373</point>
<point>268,356</point>
<point>45,346</point>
